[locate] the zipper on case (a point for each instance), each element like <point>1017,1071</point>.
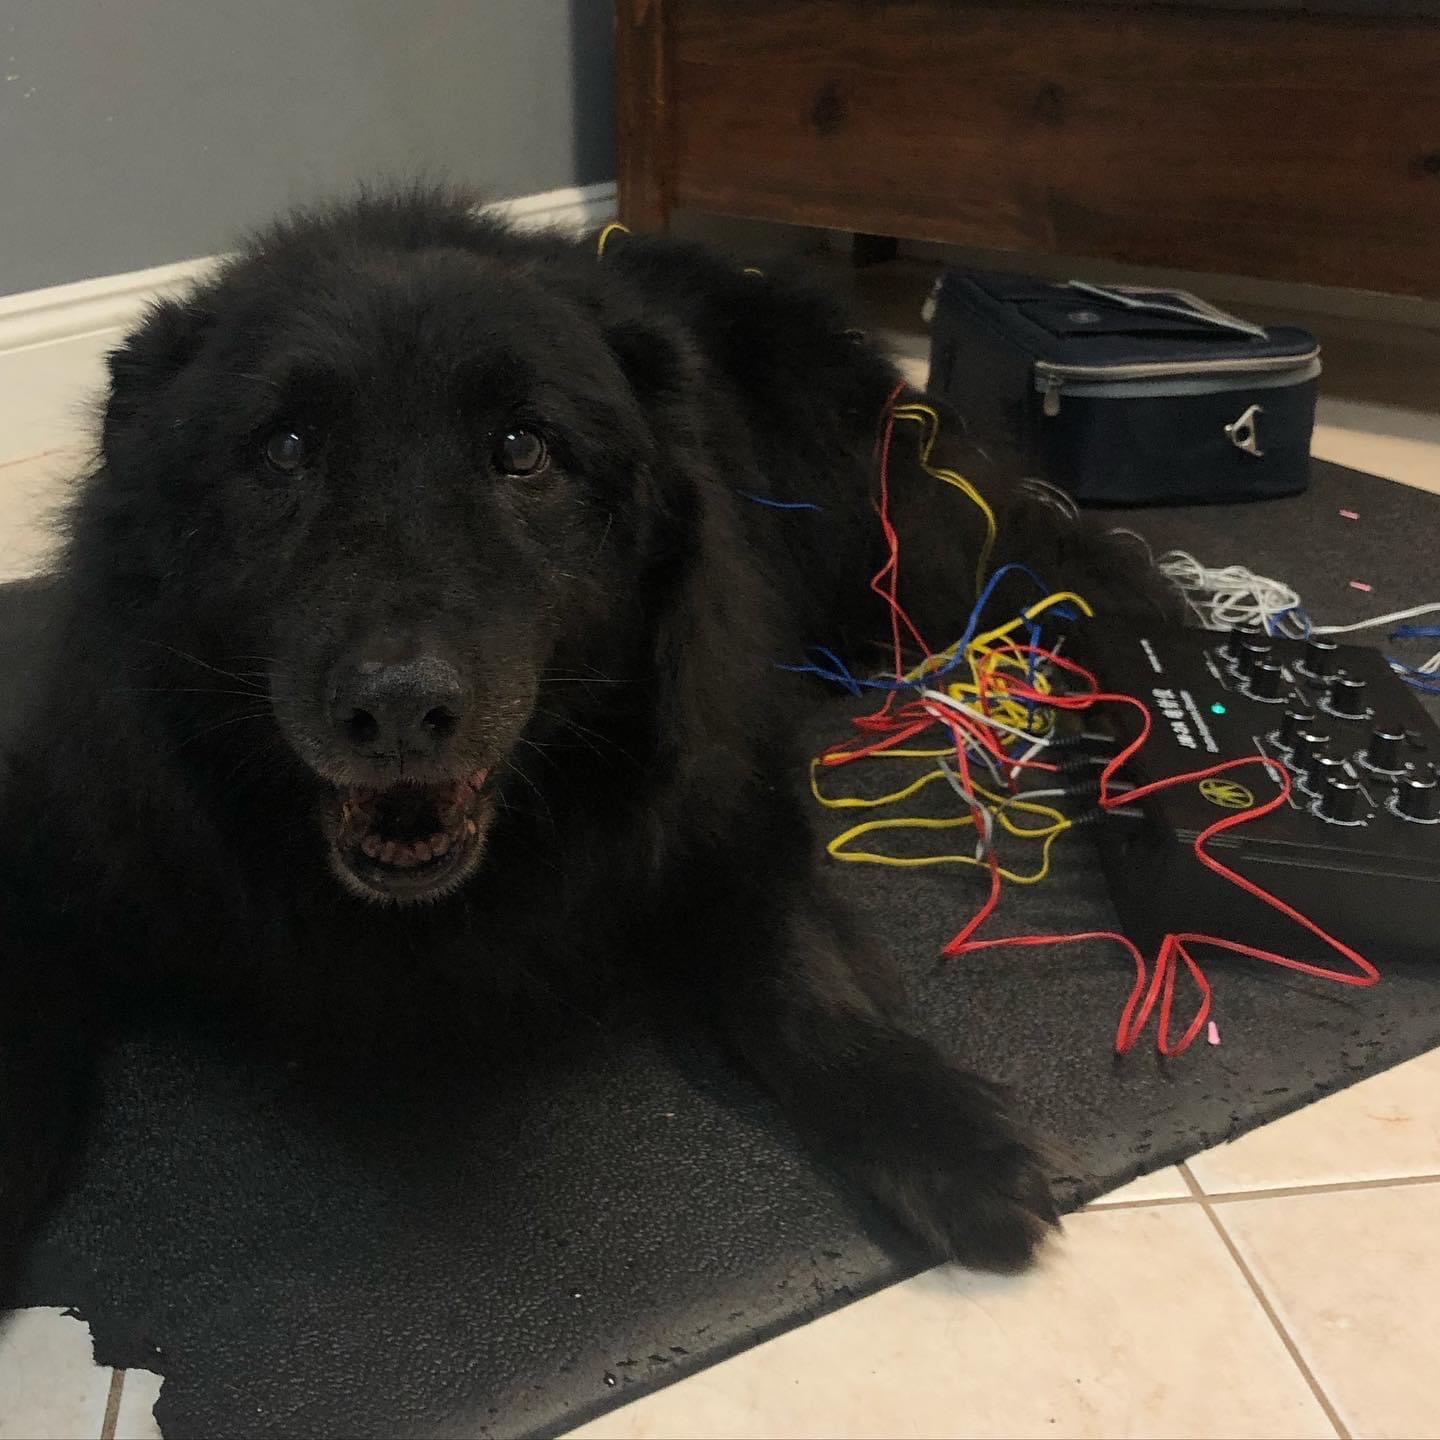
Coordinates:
<point>1050,378</point>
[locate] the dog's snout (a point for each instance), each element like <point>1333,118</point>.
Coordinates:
<point>407,706</point>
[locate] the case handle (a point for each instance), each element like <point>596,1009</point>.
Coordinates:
<point>1130,297</point>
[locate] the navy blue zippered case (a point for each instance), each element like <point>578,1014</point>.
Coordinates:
<point>1123,395</point>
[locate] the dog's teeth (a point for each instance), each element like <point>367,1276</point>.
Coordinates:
<point>371,845</point>
<point>388,851</point>
<point>439,843</point>
<point>422,850</point>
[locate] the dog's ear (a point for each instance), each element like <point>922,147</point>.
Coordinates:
<point>145,364</point>
<point>654,352</point>
<point>654,361</point>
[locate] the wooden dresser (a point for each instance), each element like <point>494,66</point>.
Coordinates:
<point>1285,139</point>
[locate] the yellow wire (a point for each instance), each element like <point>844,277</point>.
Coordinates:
<point>866,857</point>
<point>846,802</point>
<point>613,228</point>
<point>1000,805</point>
<point>986,663</point>
<point>929,421</point>
<point>983,642</point>
<point>1060,597</point>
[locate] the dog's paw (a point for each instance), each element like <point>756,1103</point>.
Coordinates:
<point>965,1179</point>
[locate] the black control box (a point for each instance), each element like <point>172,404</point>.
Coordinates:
<point>1357,845</point>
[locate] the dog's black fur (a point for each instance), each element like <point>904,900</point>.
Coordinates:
<point>303,481</point>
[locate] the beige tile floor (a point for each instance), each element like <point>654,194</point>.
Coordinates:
<point>1287,1284</point>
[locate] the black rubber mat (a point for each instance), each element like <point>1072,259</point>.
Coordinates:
<point>628,1211</point>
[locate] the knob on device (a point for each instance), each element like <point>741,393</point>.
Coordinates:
<point>1236,641</point>
<point>1320,658</point>
<point>1418,798</point>
<point>1253,653</point>
<point>1386,750</point>
<point>1308,744</point>
<point>1346,697</point>
<point>1342,799</point>
<point>1323,769</point>
<point>1293,723</point>
<point>1265,680</point>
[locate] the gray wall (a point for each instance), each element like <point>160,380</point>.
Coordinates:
<point>137,132</point>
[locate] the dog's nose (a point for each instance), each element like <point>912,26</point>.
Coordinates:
<point>407,707</point>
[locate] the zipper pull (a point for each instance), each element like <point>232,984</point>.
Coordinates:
<point>1051,403</point>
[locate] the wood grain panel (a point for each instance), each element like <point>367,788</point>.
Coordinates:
<point>1283,145</point>
<point>642,112</point>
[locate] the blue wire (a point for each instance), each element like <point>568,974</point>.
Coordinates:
<point>1416,683</point>
<point>841,676</point>
<point>1272,622</point>
<point>779,504</point>
<point>1425,680</point>
<point>1033,633</point>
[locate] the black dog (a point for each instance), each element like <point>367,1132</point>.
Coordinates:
<point>417,657</point>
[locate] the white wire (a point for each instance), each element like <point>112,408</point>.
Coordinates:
<point>948,700</point>
<point>985,831</point>
<point>1048,494</point>
<point>986,838</point>
<point>1030,754</point>
<point>1231,597</point>
<point>1394,617</point>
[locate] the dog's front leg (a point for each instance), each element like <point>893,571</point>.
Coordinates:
<point>47,1035</point>
<point>810,1010</point>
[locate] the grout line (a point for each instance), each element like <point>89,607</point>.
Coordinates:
<point>1321,1398</point>
<point>1102,1204</point>
<point>112,1405</point>
<point>1276,1192</point>
<point>1334,1187</point>
<point>75,448</point>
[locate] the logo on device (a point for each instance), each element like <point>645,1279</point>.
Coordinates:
<point>1227,794</point>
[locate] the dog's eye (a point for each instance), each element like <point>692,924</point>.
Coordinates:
<point>519,452</point>
<point>285,451</point>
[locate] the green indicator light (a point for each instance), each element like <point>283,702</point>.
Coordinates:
<point>1217,708</point>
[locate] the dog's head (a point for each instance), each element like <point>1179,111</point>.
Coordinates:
<point>404,482</point>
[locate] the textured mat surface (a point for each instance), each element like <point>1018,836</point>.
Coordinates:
<point>630,1211</point>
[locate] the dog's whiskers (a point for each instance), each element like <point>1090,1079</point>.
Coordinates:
<point>515,769</point>
<point>194,659</point>
<point>249,694</point>
<point>588,736</point>
<point>221,725</point>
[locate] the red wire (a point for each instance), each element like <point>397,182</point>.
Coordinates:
<point>891,568</point>
<point>1158,986</point>
<point>1152,988</point>
<point>953,724</point>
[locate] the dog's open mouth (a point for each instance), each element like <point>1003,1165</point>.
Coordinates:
<point>410,841</point>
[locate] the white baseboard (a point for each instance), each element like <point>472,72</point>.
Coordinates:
<point>575,208</point>
<point>53,341</point>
